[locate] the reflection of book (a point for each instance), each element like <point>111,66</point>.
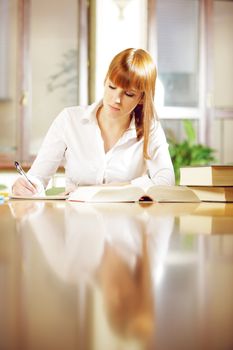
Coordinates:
<point>131,193</point>
<point>214,209</point>
<point>200,224</point>
<point>170,209</point>
<point>212,175</point>
<point>215,218</point>
<point>214,193</point>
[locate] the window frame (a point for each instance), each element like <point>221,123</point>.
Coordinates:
<point>23,94</point>
<point>202,112</point>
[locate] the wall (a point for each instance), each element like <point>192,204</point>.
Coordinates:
<point>53,48</point>
<point>8,102</point>
<point>221,127</point>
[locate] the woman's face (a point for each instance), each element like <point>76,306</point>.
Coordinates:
<point>118,102</point>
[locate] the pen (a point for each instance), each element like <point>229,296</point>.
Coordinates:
<point>22,172</point>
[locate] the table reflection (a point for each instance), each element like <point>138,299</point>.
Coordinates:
<point>113,276</point>
<point>106,255</point>
<point>208,218</point>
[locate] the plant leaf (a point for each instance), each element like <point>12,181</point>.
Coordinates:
<point>189,131</point>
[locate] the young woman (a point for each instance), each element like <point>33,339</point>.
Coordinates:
<point>117,140</point>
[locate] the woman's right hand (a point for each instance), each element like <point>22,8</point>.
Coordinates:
<point>22,187</point>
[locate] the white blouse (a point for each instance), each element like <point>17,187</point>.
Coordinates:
<point>74,140</point>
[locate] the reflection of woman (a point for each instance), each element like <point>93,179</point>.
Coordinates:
<point>73,236</point>
<point>127,292</point>
<point>108,249</point>
<point>116,140</point>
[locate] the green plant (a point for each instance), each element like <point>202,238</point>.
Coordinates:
<point>188,152</point>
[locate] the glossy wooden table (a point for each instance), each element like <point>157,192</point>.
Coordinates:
<point>116,276</point>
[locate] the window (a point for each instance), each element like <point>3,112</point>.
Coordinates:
<point>46,54</point>
<point>175,40</point>
<point>8,79</point>
<point>39,51</point>
<point>53,45</point>
<point>118,25</point>
<point>178,53</point>
<point>4,49</point>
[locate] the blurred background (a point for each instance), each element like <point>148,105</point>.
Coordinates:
<point>55,54</point>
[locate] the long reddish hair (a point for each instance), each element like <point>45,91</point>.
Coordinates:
<point>134,68</point>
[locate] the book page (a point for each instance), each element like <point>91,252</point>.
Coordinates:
<point>42,196</point>
<point>172,194</point>
<point>126,193</point>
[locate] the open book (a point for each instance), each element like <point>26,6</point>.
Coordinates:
<point>131,193</point>
<point>41,197</point>
<point>49,194</point>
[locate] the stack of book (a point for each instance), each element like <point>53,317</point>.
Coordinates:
<point>212,183</point>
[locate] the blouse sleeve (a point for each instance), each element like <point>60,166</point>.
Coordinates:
<point>51,152</point>
<point>159,168</point>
